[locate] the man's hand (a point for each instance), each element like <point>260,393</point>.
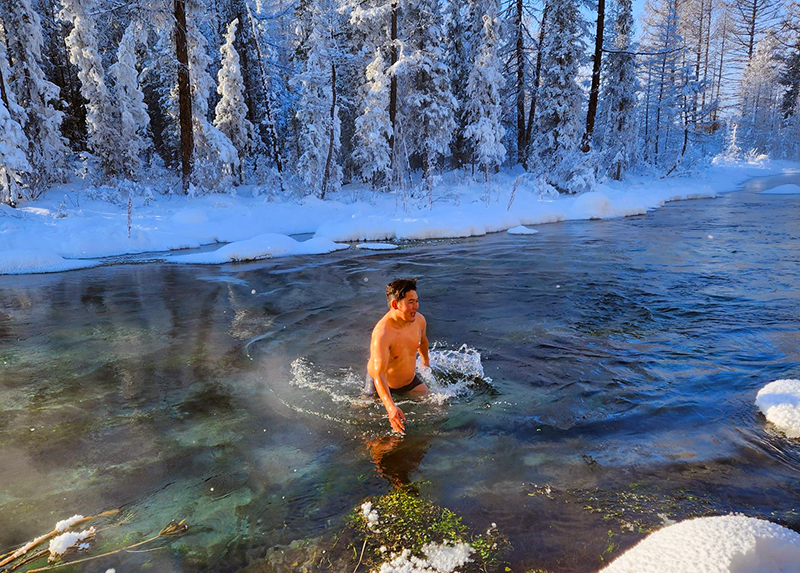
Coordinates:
<point>397,419</point>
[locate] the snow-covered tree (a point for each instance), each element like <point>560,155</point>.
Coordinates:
<point>14,145</point>
<point>318,110</point>
<point>36,97</point>
<point>760,117</point>
<point>618,132</point>
<point>134,120</point>
<point>462,22</point>
<point>215,157</point>
<point>430,105</point>
<point>104,141</point>
<point>371,153</point>
<point>554,149</point>
<point>231,111</point>
<point>483,107</point>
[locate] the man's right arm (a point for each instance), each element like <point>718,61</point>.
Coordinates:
<point>379,357</point>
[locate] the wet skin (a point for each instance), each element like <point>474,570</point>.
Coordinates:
<point>396,339</point>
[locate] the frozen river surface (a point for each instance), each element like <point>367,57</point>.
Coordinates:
<point>620,360</point>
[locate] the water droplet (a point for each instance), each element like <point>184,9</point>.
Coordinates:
<point>253,291</point>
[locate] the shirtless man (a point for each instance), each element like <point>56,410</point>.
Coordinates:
<point>396,339</point>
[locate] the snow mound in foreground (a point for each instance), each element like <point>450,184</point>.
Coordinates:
<point>779,401</point>
<point>522,230</point>
<point>439,559</point>
<point>33,261</point>
<point>788,189</point>
<point>722,544</point>
<point>260,247</point>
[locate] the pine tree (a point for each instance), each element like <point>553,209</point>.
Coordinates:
<point>101,123</point>
<point>430,105</point>
<point>13,146</point>
<point>618,131</point>
<point>318,110</point>
<point>215,157</point>
<point>134,120</point>
<point>462,30</point>
<point>760,116</point>
<point>36,97</point>
<point>231,111</point>
<point>483,107</point>
<point>555,150</point>
<point>371,154</point>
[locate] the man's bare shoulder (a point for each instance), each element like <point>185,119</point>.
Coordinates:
<point>380,330</point>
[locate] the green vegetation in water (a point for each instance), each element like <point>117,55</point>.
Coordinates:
<point>407,521</point>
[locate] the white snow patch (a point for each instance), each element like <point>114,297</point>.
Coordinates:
<point>62,543</point>
<point>721,544</point>
<point>779,401</point>
<point>27,261</point>
<point>439,558</point>
<point>370,515</point>
<point>190,217</point>
<point>377,246</point>
<point>260,247</point>
<point>522,230</point>
<point>65,524</point>
<point>788,189</point>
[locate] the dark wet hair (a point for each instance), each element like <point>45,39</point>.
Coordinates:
<point>398,289</point>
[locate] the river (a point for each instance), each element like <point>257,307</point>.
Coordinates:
<point>602,382</point>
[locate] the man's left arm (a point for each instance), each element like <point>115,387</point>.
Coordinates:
<point>423,344</point>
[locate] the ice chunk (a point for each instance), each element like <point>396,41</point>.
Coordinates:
<point>522,230</point>
<point>779,401</point>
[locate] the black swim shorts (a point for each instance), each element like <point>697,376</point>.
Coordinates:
<point>369,386</point>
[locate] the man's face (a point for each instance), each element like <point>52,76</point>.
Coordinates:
<point>408,306</point>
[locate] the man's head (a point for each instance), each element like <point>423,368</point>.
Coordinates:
<point>401,294</point>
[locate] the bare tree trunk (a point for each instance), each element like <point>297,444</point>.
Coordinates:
<point>522,142</point>
<point>393,85</point>
<point>537,73</point>
<point>184,94</point>
<point>327,174</point>
<point>594,91</point>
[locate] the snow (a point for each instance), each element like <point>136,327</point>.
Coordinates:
<point>788,189</point>
<point>61,543</point>
<point>27,261</point>
<point>377,246</point>
<point>779,401</point>
<point>67,523</point>
<point>260,247</point>
<point>439,558</point>
<point>522,230</point>
<point>721,544</point>
<point>46,235</point>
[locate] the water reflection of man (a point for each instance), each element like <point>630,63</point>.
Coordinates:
<point>396,339</point>
<point>396,458</point>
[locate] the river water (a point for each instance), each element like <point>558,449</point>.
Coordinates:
<point>601,378</point>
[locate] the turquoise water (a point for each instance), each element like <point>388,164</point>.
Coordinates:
<point>600,378</point>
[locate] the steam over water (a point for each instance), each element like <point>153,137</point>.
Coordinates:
<point>588,382</point>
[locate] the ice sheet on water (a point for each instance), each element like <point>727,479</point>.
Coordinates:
<point>788,189</point>
<point>721,544</point>
<point>30,261</point>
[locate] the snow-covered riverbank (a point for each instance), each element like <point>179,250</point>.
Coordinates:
<point>71,223</point>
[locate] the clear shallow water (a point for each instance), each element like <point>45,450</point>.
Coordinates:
<point>624,358</point>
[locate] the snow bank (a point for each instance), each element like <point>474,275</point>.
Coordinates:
<point>522,230</point>
<point>722,544</point>
<point>439,558</point>
<point>260,247</point>
<point>779,401</point>
<point>788,189</point>
<point>28,261</point>
<point>75,223</point>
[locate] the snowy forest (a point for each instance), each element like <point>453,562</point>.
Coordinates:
<point>304,96</point>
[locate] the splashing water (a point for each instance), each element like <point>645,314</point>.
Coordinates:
<point>454,375</point>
